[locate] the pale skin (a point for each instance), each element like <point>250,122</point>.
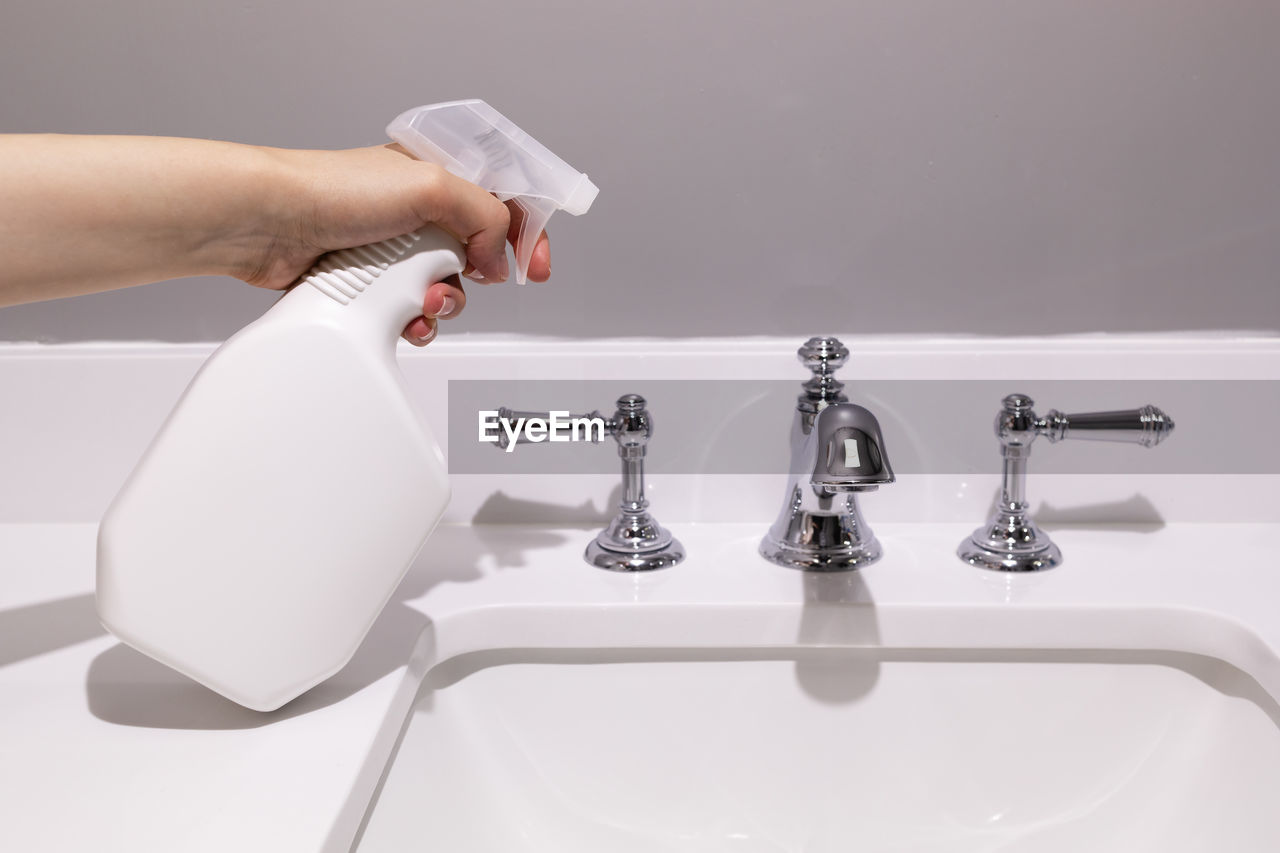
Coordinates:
<point>81,214</point>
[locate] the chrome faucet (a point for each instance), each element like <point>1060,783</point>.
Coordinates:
<point>1011,541</point>
<point>633,541</point>
<point>837,450</point>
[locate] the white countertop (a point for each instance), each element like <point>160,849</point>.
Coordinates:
<point>103,749</point>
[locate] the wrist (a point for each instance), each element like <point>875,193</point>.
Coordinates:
<point>254,213</point>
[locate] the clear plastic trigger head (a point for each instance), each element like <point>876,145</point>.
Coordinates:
<point>477,143</point>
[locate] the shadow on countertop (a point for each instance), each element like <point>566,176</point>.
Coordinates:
<point>1136,514</point>
<point>37,629</point>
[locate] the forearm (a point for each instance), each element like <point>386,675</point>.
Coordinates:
<point>80,214</point>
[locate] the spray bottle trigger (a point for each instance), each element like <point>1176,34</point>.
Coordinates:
<point>534,214</point>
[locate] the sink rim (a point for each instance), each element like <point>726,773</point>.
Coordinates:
<point>755,628</point>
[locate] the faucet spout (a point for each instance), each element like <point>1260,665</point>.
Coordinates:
<point>847,451</point>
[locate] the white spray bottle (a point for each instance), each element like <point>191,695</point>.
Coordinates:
<point>292,486</point>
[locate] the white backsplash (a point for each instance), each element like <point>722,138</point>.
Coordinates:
<point>76,417</point>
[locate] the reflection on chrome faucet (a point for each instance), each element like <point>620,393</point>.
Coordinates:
<point>837,450</point>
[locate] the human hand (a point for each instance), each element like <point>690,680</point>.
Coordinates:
<point>341,199</point>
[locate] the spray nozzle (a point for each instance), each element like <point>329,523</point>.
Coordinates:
<point>477,143</point>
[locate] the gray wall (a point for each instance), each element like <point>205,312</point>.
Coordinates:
<point>765,167</point>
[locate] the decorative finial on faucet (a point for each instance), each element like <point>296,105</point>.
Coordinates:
<point>823,356</point>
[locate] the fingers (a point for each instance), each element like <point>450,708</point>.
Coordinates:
<point>420,332</point>
<point>472,215</point>
<point>539,264</point>
<point>484,224</point>
<point>444,300</point>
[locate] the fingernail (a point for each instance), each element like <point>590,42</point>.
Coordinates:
<point>505,270</point>
<point>446,307</point>
<point>429,336</point>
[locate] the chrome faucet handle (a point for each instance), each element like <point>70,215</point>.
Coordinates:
<point>522,437</point>
<point>823,356</point>
<point>1147,426</point>
<point>1011,541</point>
<point>633,541</point>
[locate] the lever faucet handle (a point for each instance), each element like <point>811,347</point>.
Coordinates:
<point>1011,541</point>
<point>1147,426</point>
<point>512,416</point>
<point>633,541</point>
<point>823,356</point>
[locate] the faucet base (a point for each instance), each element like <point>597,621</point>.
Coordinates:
<point>1010,543</point>
<point>821,541</point>
<point>638,561</point>
<point>634,542</point>
<point>823,560</point>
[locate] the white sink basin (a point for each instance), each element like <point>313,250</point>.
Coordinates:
<point>835,749</point>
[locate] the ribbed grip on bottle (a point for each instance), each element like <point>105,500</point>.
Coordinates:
<point>343,275</point>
